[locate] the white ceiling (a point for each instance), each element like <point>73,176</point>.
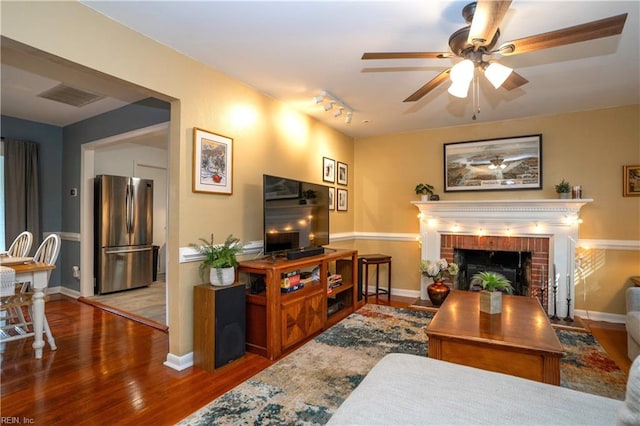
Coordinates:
<point>293,50</point>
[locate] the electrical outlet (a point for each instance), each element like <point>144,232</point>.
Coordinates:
<point>73,192</point>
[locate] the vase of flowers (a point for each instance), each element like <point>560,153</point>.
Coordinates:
<point>438,271</point>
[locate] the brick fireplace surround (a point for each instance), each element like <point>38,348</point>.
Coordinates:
<point>546,228</point>
<point>538,246</point>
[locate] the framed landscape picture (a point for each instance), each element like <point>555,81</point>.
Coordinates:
<point>212,162</point>
<point>631,181</point>
<point>494,164</point>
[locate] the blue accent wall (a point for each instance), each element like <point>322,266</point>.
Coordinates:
<point>60,161</point>
<point>50,146</point>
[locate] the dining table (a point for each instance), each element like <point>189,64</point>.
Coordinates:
<point>37,273</point>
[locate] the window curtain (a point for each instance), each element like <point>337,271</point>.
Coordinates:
<point>21,190</point>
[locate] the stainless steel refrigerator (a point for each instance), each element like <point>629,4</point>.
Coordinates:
<point>123,233</point>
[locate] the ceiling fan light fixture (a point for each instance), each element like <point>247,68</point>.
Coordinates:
<point>497,73</point>
<point>462,71</point>
<point>459,89</point>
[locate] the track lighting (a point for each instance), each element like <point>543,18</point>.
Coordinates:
<point>333,103</point>
<point>349,117</point>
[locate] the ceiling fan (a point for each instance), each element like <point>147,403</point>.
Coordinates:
<point>477,40</point>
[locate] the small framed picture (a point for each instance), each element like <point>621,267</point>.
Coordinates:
<point>343,173</point>
<point>212,162</point>
<point>631,181</point>
<point>328,170</point>
<point>332,198</point>
<point>343,200</point>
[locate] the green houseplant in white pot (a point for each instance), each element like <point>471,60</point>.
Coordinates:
<point>563,189</point>
<point>493,285</point>
<point>424,190</point>
<point>220,259</point>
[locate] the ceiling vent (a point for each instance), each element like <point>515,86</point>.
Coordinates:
<point>70,95</point>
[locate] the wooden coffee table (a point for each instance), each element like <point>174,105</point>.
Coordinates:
<point>520,341</point>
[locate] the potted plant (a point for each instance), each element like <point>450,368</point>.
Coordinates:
<point>438,271</point>
<point>563,189</point>
<point>425,190</point>
<point>493,285</point>
<point>220,258</point>
<point>308,196</point>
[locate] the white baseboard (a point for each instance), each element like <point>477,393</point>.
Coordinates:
<point>64,290</point>
<point>179,362</point>
<point>601,316</point>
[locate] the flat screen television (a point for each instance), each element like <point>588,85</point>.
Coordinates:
<point>296,215</point>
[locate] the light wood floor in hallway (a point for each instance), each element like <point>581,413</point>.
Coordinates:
<point>109,370</point>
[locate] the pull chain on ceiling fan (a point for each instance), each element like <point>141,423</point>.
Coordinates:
<point>479,38</point>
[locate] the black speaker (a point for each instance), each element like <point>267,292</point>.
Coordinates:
<point>230,340</point>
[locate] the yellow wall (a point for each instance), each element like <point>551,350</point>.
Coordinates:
<point>271,138</point>
<point>586,148</point>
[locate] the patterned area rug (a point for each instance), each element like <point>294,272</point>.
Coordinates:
<point>307,386</point>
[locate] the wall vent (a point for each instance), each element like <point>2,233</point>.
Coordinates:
<point>70,95</point>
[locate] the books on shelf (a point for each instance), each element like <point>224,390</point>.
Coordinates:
<point>289,279</point>
<point>334,281</point>
<point>291,289</point>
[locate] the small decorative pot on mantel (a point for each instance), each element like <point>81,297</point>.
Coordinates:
<point>563,189</point>
<point>493,285</point>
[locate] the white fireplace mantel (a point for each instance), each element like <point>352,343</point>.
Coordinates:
<point>557,219</point>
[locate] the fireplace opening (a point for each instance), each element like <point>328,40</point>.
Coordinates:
<point>514,265</point>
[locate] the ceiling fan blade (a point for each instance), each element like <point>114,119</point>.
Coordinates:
<point>486,19</point>
<point>405,55</point>
<point>583,32</point>
<point>432,84</point>
<point>514,81</point>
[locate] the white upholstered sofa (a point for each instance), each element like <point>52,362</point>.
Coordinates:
<point>413,390</point>
<point>633,322</point>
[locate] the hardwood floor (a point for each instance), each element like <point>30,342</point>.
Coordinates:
<point>109,370</point>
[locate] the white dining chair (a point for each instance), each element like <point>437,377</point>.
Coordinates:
<point>21,245</point>
<point>47,253</point>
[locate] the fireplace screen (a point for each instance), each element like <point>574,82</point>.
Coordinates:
<point>515,266</point>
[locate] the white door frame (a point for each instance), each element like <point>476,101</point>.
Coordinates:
<point>87,173</point>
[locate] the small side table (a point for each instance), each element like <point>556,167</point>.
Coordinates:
<point>377,260</point>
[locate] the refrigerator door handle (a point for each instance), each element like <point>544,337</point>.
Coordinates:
<point>128,250</point>
<point>127,208</point>
<point>130,199</point>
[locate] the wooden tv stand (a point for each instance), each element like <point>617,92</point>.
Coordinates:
<point>278,321</point>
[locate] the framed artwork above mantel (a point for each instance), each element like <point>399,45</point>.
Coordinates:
<point>493,164</point>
